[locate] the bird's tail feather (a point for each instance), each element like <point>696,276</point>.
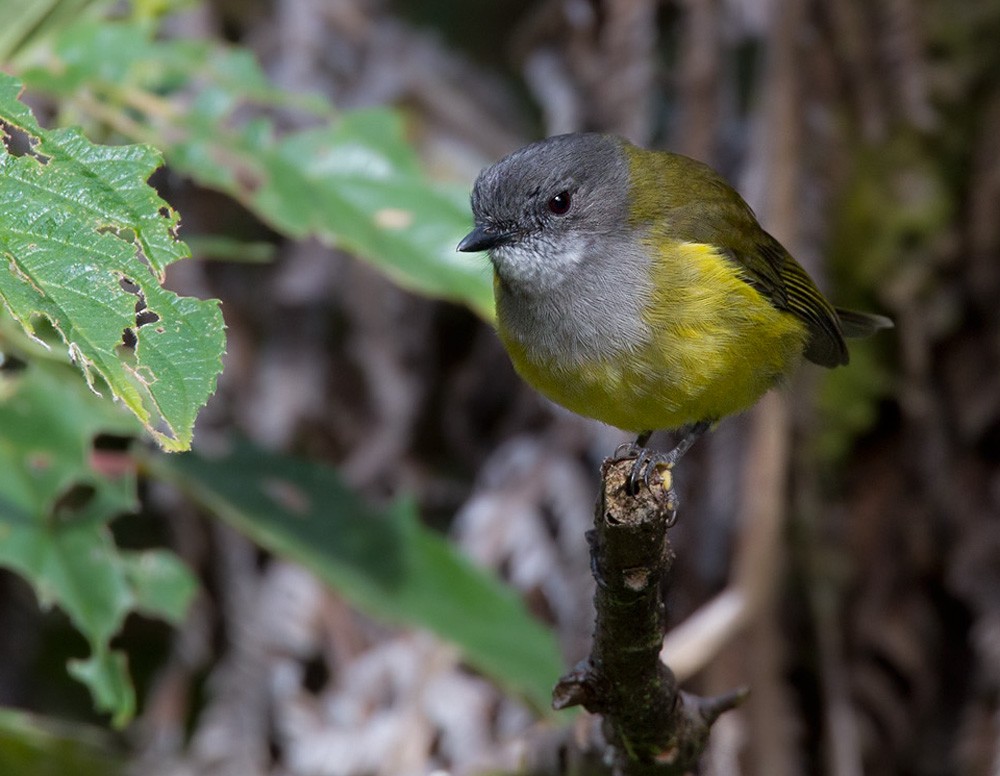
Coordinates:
<point>855,324</point>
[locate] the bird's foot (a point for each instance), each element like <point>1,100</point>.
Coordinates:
<point>652,468</point>
<point>650,463</point>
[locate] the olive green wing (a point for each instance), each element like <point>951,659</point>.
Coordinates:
<point>773,272</point>
<point>728,223</point>
<point>719,216</point>
<point>779,277</point>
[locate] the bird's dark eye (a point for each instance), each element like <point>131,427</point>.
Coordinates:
<point>559,204</point>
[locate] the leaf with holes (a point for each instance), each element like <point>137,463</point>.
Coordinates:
<point>354,180</point>
<point>57,496</point>
<point>86,241</point>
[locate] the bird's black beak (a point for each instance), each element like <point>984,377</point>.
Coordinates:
<point>482,239</point>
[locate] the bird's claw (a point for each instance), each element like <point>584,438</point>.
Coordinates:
<point>647,463</point>
<point>626,452</point>
<point>650,465</point>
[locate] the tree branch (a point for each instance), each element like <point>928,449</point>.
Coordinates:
<point>652,727</point>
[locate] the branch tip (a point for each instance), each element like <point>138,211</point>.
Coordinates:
<point>575,688</point>
<point>711,708</point>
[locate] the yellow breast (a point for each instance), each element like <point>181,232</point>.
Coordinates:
<point>714,346</point>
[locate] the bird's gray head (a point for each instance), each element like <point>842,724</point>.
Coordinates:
<point>540,210</point>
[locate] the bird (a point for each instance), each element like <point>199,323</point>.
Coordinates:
<point>637,287</point>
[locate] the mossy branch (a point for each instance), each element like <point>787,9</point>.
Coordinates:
<point>651,726</point>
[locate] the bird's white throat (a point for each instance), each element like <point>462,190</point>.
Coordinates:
<point>539,264</point>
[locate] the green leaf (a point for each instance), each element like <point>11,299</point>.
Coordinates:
<point>385,562</point>
<point>56,499</point>
<point>25,24</point>
<point>355,184</point>
<point>48,420</point>
<point>354,181</point>
<point>85,239</point>
<point>105,672</point>
<point>231,249</point>
<point>162,585</point>
<point>36,746</point>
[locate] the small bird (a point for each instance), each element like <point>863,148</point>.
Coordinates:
<point>637,287</point>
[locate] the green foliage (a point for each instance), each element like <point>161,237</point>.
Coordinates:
<point>86,242</point>
<point>81,232</point>
<point>896,207</point>
<point>849,399</point>
<point>22,22</point>
<point>35,746</point>
<point>352,181</point>
<point>385,562</point>
<point>55,505</point>
<point>890,220</point>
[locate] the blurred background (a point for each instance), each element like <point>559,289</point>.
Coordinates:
<point>838,547</point>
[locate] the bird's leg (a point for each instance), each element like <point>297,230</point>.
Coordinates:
<point>630,450</point>
<point>648,461</point>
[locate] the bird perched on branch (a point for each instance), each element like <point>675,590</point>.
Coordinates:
<point>637,287</point>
